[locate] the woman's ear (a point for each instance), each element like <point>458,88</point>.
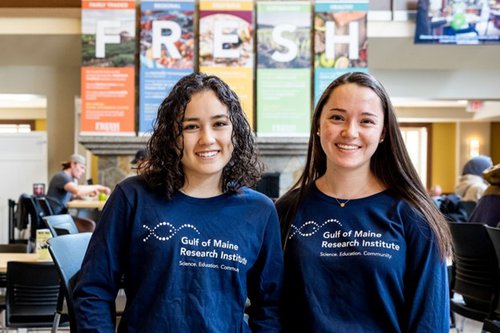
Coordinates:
<point>382,136</point>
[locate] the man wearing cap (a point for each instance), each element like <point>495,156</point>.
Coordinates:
<point>140,156</point>
<point>64,185</point>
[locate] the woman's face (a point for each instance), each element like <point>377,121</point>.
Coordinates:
<point>351,126</point>
<point>206,131</point>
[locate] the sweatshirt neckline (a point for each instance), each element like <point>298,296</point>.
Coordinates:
<point>335,200</point>
<point>202,201</point>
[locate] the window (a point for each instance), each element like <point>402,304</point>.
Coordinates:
<point>417,138</point>
<point>16,126</point>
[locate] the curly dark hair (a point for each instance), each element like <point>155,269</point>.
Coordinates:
<point>163,171</point>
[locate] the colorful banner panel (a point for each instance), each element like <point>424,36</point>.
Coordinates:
<point>226,46</point>
<point>283,68</point>
<point>108,62</point>
<point>341,41</point>
<point>166,53</point>
<point>458,22</point>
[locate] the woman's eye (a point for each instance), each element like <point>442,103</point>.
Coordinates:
<point>220,124</point>
<point>368,121</point>
<point>190,127</point>
<point>336,117</point>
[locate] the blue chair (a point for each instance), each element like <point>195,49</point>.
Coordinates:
<point>62,224</point>
<point>67,252</point>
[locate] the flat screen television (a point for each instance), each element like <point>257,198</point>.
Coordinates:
<point>464,22</point>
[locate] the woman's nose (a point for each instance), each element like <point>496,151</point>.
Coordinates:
<point>350,130</point>
<point>206,137</point>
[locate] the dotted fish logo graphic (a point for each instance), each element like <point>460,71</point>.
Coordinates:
<point>171,230</point>
<point>310,228</point>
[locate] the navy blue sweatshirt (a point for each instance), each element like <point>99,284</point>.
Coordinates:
<point>189,264</point>
<point>371,266</point>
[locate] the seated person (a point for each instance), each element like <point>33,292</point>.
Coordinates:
<point>436,193</point>
<point>487,210</point>
<point>140,156</point>
<point>64,185</point>
<point>471,184</point>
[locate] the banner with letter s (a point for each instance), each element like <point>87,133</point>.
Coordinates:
<point>226,46</point>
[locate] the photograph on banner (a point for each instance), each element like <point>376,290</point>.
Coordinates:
<point>166,53</point>
<point>226,36</point>
<point>340,41</point>
<point>108,36</point>
<point>283,68</point>
<point>466,22</point>
<point>226,46</point>
<point>108,67</point>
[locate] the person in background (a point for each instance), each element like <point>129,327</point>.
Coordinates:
<point>471,184</point>
<point>364,244</point>
<point>190,237</point>
<point>487,210</point>
<point>140,156</point>
<point>436,193</point>
<point>64,186</point>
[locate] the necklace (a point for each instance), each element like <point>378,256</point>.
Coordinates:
<point>342,204</point>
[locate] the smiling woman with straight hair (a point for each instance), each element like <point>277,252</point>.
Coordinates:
<point>364,244</point>
<point>190,237</point>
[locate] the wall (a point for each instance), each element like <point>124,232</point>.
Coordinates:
<point>40,124</point>
<point>60,85</point>
<point>473,130</point>
<point>443,155</point>
<point>495,142</point>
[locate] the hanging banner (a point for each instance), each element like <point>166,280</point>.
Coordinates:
<point>108,62</point>
<point>283,68</point>
<point>226,46</point>
<point>341,41</point>
<point>166,53</point>
<point>458,22</point>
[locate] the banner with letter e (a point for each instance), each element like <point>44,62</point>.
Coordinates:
<point>166,53</point>
<point>283,68</point>
<point>108,66</point>
<point>341,44</point>
<point>226,46</point>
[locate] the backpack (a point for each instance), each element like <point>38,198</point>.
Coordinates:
<point>452,209</point>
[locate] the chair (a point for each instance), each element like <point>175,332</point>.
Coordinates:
<point>84,224</point>
<point>32,292</point>
<point>44,204</point>
<point>68,251</point>
<point>468,206</point>
<point>492,324</point>
<point>474,271</point>
<point>9,248</point>
<point>29,213</point>
<point>60,224</point>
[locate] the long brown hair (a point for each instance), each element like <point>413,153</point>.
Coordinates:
<point>390,163</point>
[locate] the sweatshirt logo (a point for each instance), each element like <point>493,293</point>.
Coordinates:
<point>171,230</point>
<point>310,228</point>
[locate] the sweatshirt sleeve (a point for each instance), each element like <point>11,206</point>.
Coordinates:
<point>265,280</point>
<point>99,281</point>
<point>426,281</point>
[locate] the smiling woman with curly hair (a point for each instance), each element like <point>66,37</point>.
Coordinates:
<point>190,237</point>
<point>164,170</point>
